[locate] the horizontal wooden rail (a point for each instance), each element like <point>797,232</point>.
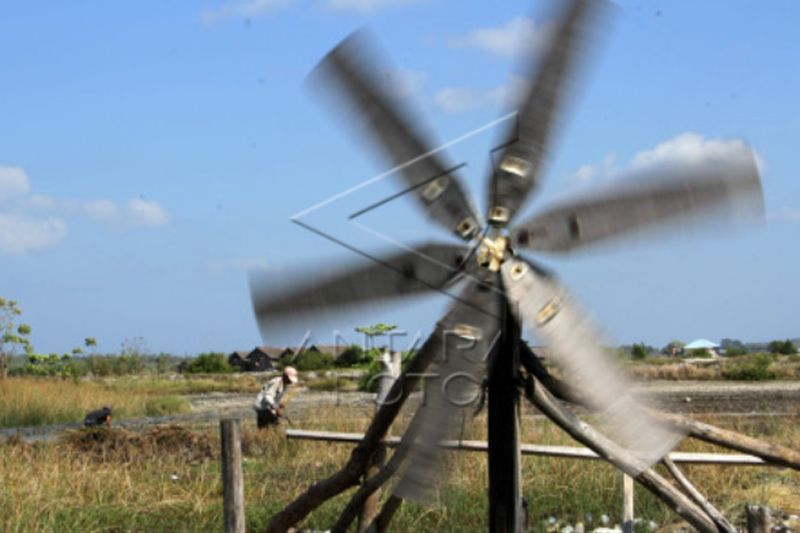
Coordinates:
<point>573,452</point>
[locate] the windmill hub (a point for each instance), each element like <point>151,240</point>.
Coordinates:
<point>493,251</point>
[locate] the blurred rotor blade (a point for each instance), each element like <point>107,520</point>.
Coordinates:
<point>467,335</point>
<point>361,83</point>
<point>521,161</point>
<point>540,302</point>
<point>425,268</point>
<point>731,190</point>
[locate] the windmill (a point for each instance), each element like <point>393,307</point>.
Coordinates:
<point>478,341</point>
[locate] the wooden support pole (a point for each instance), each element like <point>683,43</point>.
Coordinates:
<point>390,371</point>
<point>691,490</point>
<point>619,457</point>
<point>505,495</point>
<point>232,478</point>
<point>771,453</point>
<point>627,503</point>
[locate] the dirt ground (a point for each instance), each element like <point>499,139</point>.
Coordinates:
<point>775,398</point>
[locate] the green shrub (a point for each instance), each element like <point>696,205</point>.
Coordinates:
<point>166,405</point>
<point>786,347</point>
<point>310,360</point>
<point>368,382</point>
<point>353,355</point>
<point>638,351</point>
<point>209,363</point>
<point>753,368</point>
<point>699,353</point>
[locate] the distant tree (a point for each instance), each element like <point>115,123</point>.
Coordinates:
<point>131,356</point>
<point>673,348</point>
<point>90,342</point>
<point>209,363</point>
<point>786,347</point>
<point>313,360</point>
<point>351,356</point>
<point>12,335</point>
<point>370,332</point>
<point>639,351</point>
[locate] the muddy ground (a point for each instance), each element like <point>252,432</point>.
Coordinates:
<point>778,398</point>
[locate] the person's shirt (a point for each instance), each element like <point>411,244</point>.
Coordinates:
<point>271,394</point>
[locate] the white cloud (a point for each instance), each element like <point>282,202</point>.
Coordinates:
<point>102,210</point>
<point>366,6</point>
<point>13,182</point>
<point>589,173</point>
<point>518,35</point>
<point>20,234</point>
<point>685,150</point>
<point>690,149</point>
<point>247,9</point>
<point>31,221</point>
<point>138,212</point>
<point>461,99</point>
<point>146,213</point>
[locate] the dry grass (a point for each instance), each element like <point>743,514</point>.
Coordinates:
<point>41,401</point>
<point>168,479</point>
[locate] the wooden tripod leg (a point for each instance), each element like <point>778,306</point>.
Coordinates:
<point>617,456</point>
<point>350,474</point>
<point>691,490</point>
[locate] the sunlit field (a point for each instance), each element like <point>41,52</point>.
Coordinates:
<point>168,479</point>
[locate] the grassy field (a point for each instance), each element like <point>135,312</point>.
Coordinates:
<point>168,479</point>
<point>41,401</point>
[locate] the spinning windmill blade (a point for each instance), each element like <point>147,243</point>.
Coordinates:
<point>539,301</point>
<point>727,189</point>
<point>467,336</point>
<point>356,78</point>
<point>426,268</point>
<point>521,161</point>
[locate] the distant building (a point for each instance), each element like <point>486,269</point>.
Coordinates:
<point>702,344</point>
<point>238,359</point>
<point>259,359</point>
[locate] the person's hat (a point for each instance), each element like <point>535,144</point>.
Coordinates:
<point>291,374</point>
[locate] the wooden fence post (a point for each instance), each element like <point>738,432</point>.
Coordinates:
<point>232,478</point>
<point>390,370</point>
<point>627,503</point>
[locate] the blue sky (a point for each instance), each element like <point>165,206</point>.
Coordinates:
<point>151,153</point>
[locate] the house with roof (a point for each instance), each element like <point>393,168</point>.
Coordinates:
<point>238,359</point>
<point>259,359</point>
<point>702,344</point>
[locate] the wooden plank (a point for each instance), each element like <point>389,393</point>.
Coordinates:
<point>568,452</point>
<point>232,478</point>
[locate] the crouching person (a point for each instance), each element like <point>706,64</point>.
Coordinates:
<point>268,404</point>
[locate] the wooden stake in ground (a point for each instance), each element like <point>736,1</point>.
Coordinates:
<point>232,479</point>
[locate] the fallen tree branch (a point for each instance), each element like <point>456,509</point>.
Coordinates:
<point>647,477</point>
<point>350,474</point>
<point>711,511</point>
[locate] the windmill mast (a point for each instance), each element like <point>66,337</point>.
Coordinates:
<point>505,496</point>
